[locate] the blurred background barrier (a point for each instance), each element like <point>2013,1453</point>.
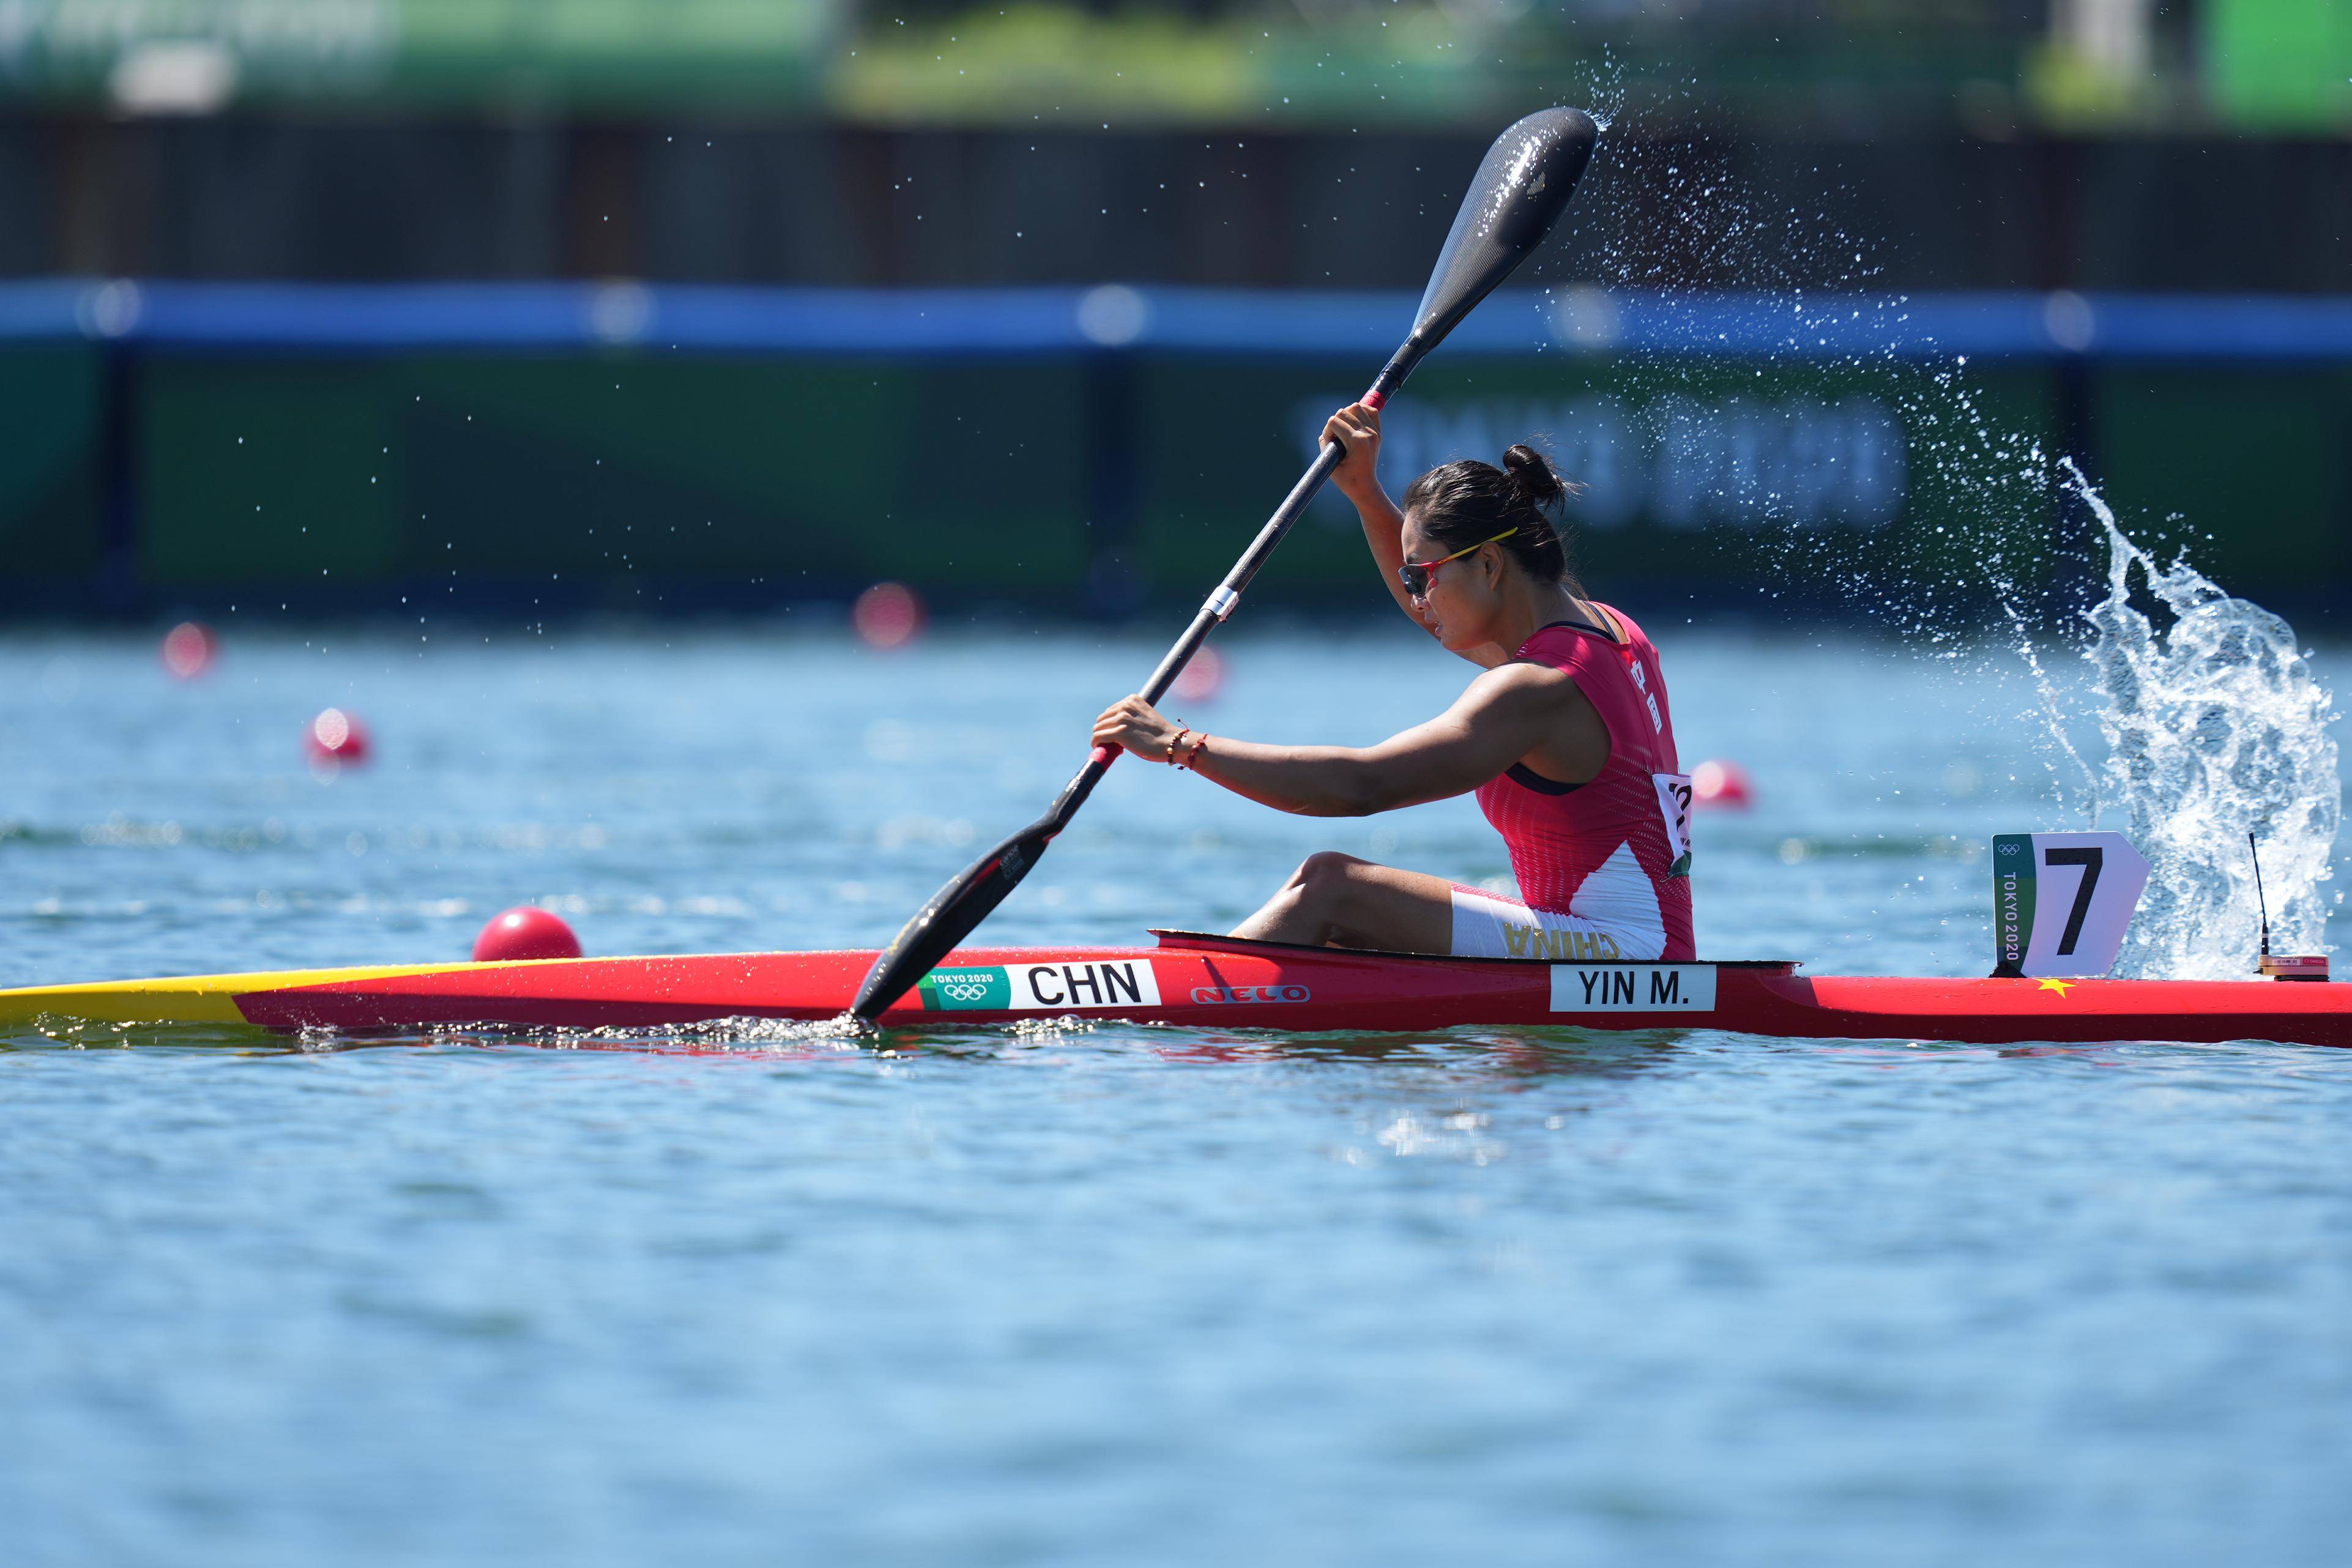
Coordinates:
<point>531,306</point>
<point>559,447</point>
<point>795,196</point>
<point>2087,144</point>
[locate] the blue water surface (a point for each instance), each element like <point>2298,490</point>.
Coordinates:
<point>1101,1293</point>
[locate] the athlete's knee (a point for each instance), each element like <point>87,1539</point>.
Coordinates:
<point>1325,872</point>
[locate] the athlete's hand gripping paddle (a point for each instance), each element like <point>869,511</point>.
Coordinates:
<point>1522,187</point>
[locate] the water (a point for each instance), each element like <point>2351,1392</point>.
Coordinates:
<point>1108,1293</point>
<point>2216,732</point>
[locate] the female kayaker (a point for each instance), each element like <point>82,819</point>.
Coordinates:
<point>1567,739</point>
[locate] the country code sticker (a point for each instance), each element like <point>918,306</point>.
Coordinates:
<point>1632,988</point>
<point>1041,987</point>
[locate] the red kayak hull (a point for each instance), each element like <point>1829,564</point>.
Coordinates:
<point>1217,982</point>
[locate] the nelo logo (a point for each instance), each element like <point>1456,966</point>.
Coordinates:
<point>1206,995</point>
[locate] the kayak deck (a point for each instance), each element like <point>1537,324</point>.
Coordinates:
<point>1218,981</point>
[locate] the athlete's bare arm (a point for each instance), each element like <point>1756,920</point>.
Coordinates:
<point>1506,713</point>
<point>1357,427</point>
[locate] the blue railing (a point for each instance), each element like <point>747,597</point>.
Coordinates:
<point>1011,322</point>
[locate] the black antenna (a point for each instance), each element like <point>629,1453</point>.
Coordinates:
<point>2259,902</point>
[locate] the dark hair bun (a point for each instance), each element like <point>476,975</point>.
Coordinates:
<point>1465,504</point>
<point>1533,475</point>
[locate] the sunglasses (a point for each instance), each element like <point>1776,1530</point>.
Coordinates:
<point>1417,576</point>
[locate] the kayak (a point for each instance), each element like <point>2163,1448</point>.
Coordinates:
<point>1201,981</point>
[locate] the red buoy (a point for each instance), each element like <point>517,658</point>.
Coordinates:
<point>1722,784</point>
<point>887,615</point>
<point>525,932</point>
<point>188,649</point>
<point>336,737</point>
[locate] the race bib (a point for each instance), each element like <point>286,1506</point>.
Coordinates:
<point>1674,804</point>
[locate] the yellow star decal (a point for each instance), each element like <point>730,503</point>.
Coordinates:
<point>2057,986</point>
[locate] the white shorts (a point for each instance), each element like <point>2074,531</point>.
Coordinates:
<point>1489,925</point>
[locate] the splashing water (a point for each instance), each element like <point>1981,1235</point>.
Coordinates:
<point>2215,728</point>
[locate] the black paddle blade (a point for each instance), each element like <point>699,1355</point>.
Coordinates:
<point>1522,188</point>
<point>949,917</point>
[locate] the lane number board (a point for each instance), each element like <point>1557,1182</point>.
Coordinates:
<point>2062,902</point>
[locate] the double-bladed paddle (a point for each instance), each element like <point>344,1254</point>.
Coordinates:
<point>1522,187</point>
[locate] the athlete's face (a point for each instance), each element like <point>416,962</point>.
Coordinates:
<point>1459,597</point>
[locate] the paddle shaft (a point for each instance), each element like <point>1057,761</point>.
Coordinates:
<point>1522,186</point>
<point>956,908</point>
<point>1221,604</point>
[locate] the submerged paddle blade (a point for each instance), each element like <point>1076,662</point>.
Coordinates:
<point>949,917</point>
<point>1521,188</point>
<point>964,903</point>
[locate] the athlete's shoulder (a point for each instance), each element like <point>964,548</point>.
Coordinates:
<point>1635,638</point>
<point>1630,628</point>
<point>1568,646</point>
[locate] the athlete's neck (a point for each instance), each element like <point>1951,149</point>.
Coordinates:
<point>1528,606</point>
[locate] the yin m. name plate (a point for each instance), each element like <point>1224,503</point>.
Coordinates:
<point>1632,988</point>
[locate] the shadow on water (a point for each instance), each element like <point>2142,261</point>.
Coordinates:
<point>1522,1053</point>
<point>1530,1054</point>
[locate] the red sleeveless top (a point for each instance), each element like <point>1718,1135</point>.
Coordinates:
<point>1616,849</point>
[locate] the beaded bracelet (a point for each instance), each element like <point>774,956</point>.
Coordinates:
<point>1176,746</point>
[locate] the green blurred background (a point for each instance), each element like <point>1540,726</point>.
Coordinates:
<point>2264,65</point>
